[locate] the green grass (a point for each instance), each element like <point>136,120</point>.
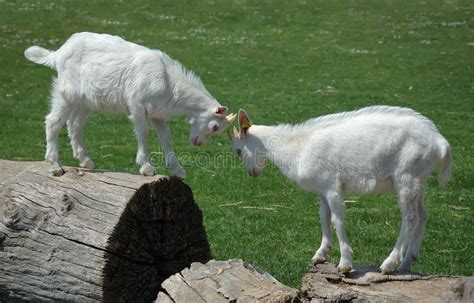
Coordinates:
<point>283,61</point>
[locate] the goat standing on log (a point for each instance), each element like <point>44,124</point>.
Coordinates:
<point>375,149</point>
<point>104,72</point>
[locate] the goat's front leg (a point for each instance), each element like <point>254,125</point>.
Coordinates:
<point>336,205</point>
<point>75,125</point>
<point>326,243</point>
<point>140,126</point>
<point>164,134</point>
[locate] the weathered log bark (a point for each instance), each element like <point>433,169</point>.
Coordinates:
<point>225,281</point>
<point>93,236</point>
<point>236,281</point>
<point>461,291</point>
<point>103,236</point>
<point>323,283</point>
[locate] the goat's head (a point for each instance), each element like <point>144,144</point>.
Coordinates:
<point>207,123</point>
<point>247,146</point>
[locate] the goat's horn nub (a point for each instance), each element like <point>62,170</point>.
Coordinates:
<point>229,134</point>
<point>236,132</point>
<point>231,118</point>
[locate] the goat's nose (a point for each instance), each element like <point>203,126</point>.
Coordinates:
<point>196,142</point>
<point>253,173</point>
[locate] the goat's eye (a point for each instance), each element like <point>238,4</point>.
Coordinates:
<point>215,128</point>
<point>239,152</point>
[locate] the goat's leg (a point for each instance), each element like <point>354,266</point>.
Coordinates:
<point>407,197</point>
<point>75,125</point>
<point>418,233</point>
<point>140,126</point>
<point>164,134</point>
<point>326,242</point>
<point>389,264</point>
<point>54,122</point>
<point>336,205</point>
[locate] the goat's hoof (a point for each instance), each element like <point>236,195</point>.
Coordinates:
<point>386,271</point>
<point>87,164</point>
<point>405,268</point>
<point>147,170</point>
<point>344,268</point>
<point>318,260</point>
<point>179,172</point>
<point>58,171</point>
<point>387,268</point>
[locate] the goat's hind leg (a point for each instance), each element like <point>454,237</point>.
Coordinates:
<point>414,245</point>
<point>407,202</point>
<point>326,242</point>
<point>336,205</point>
<point>54,122</point>
<point>75,125</point>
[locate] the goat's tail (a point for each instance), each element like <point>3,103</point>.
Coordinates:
<point>40,55</point>
<point>444,171</point>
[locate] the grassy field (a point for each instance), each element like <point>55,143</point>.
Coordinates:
<point>283,61</point>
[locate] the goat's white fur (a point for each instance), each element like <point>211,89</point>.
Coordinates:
<point>375,149</point>
<point>107,73</point>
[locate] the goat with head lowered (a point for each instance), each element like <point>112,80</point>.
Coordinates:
<point>107,73</point>
<point>375,149</point>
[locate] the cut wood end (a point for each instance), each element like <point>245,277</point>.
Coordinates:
<point>159,234</point>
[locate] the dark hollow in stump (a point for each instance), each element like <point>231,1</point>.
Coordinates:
<point>93,236</point>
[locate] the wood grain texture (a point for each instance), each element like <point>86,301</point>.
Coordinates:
<point>92,236</point>
<point>225,281</point>
<point>237,281</point>
<point>114,237</point>
<point>323,283</point>
<point>158,234</point>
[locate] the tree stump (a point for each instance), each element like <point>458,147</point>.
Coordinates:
<point>93,236</point>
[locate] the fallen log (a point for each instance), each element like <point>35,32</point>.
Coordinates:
<point>104,236</point>
<point>225,281</point>
<point>237,281</point>
<point>93,236</point>
<point>323,283</point>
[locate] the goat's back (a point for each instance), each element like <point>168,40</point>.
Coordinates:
<point>108,72</point>
<point>87,50</point>
<point>372,145</point>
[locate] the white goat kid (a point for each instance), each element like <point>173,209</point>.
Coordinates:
<point>375,149</point>
<point>104,72</point>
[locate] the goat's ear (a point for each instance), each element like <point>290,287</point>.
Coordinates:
<point>220,111</point>
<point>244,122</point>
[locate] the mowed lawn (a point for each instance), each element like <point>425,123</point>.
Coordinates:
<point>283,61</point>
